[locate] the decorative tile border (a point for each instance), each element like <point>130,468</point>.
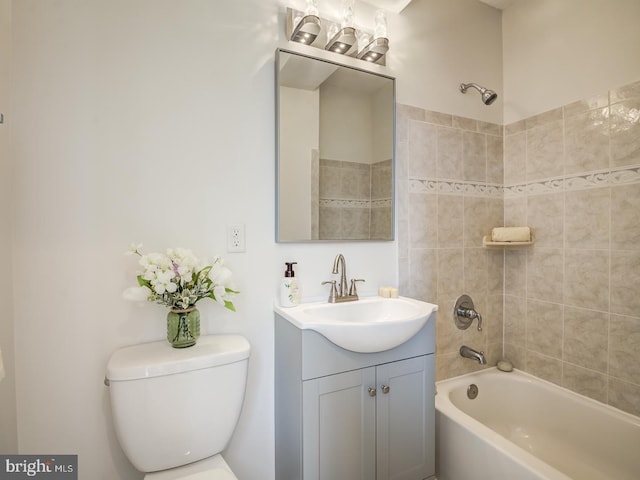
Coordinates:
<point>597,179</point>
<point>455,187</point>
<point>582,181</point>
<point>342,203</point>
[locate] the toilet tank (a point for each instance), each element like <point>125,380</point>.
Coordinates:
<point>176,406</point>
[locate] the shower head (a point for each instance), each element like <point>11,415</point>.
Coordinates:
<point>488,96</point>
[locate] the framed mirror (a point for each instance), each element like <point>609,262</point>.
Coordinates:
<point>335,151</point>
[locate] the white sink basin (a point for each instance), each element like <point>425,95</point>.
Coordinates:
<point>371,324</point>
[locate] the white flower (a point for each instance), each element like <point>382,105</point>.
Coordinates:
<point>134,248</point>
<point>137,294</point>
<point>162,282</point>
<point>221,294</point>
<point>177,278</point>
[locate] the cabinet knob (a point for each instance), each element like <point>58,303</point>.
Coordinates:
<point>372,392</point>
<point>385,388</point>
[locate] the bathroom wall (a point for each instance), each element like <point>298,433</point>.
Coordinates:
<point>571,172</point>
<point>133,123</point>
<point>8,429</point>
<point>571,303</point>
<point>450,172</point>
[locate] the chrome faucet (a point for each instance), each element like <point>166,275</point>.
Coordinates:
<point>337,263</point>
<point>464,313</point>
<point>467,352</point>
<point>341,294</point>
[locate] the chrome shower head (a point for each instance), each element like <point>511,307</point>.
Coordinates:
<point>488,96</point>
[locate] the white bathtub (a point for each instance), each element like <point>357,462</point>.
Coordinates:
<point>521,427</point>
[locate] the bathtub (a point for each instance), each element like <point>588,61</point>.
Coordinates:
<point>520,427</point>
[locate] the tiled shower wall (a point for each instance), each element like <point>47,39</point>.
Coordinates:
<point>354,200</point>
<point>449,175</point>
<point>572,301</point>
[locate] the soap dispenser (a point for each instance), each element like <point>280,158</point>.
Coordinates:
<point>289,287</point>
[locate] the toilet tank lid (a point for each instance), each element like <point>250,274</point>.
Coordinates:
<point>157,359</point>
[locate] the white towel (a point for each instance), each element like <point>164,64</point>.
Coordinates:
<point>1,367</point>
<point>511,234</point>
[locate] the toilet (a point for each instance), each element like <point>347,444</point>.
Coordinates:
<point>175,410</point>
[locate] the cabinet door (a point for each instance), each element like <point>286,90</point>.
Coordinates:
<point>339,427</point>
<point>406,419</point>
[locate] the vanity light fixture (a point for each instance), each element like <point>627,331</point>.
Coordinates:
<point>343,40</point>
<point>375,50</point>
<point>307,27</point>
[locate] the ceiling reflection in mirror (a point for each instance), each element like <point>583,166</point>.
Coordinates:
<point>335,138</point>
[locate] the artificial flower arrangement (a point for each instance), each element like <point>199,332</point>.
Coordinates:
<point>178,279</point>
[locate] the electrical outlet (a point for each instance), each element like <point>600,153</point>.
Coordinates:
<point>235,238</point>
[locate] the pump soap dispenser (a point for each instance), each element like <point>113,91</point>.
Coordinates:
<point>289,287</point>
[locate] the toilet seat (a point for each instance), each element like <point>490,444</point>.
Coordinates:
<point>212,468</point>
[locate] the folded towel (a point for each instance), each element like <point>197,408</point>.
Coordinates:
<point>511,234</point>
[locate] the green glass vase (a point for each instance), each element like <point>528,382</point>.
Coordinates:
<point>183,327</point>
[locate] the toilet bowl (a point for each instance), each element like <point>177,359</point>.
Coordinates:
<point>187,400</point>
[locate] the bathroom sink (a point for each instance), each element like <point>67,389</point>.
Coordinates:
<point>371,324</point>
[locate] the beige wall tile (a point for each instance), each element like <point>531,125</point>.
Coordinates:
<point>475,271</point>
<point>625,217</point>
<point>404,113</point>
<point>438,118</point>
<point>495,160</point>
<point>495,319</point>
<point>449,337</point>
<point>515,320</point>
<point>475,221</point>
<point>586,282</point>
<point>587,218</point>
<point>490,128</point>
<point>544,118</point>
<point>474,156</point>
<point>625,133</point>
<point>624,395</point>
<point>515,272</point>
<point>624,348</point>
<point>422,147</point>
<point>515,158</point>
<point>547,368</point>
<point>587,141</point>
<point>544,328</point>
<point>545,215</point>
<point>586,382</point>
<point>545,275</point>
<point>545,151</point>
<point>582,106</point>
<point>515,212</point>
<point>625,282</point>
<point>516,354</point>
<point>586,338</point>
<point>495,272</point>
<point>450,221</point>
<point>464,123</point>
<point>450,272</point>
<point>449,163</point>
<point>631,90</point>
<point>423,220</point>
<point>423,273</point>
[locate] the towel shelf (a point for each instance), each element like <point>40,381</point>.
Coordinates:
<point>487,243</point>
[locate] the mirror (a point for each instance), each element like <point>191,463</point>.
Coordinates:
<point>335,148</point>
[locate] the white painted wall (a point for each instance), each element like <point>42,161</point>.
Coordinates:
<point>133,123</point>
<point>560,51</point>
<point>8,429</point>
<point>438,44</point>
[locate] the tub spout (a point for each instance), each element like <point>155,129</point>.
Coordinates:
<point>473,354</point>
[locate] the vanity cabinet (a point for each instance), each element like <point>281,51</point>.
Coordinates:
<point>353,416</point>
